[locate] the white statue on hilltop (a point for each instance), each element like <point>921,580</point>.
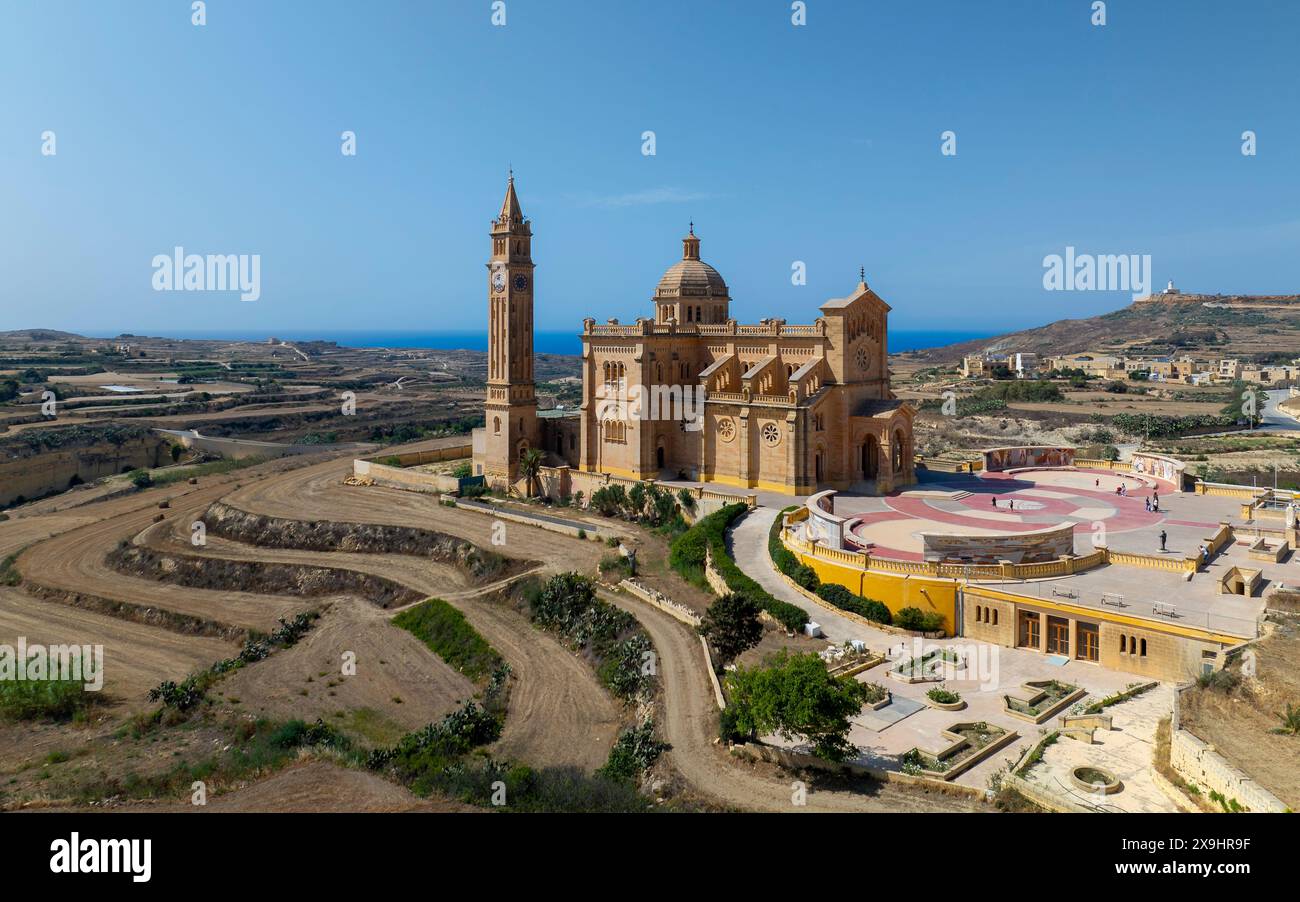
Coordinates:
<point>1290,515</point>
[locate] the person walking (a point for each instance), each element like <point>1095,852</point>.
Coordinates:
<point>1163,537</point>
<point>994,499</point>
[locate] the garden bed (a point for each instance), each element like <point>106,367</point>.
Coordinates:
<point>1042,699</point>
<point>929,668</point>
<point>968,744</point>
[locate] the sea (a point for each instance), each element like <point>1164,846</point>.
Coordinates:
<point>543,342</point>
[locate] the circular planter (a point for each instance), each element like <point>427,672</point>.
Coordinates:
<point>1094,779</point>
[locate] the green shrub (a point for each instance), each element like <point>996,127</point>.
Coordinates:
<point>298,734</point>
<point>448,635</point>
<point>687,555</point>
<point>844,599</point>
<point>915,619</point>
<point>567,605</point>
<point>943,696</point>
<point>51,699</point>
<point>9,575</point>
<point>635,751</point>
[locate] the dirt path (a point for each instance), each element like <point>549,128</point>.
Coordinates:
<point>318,493</point>
<point>74,562</point>
<point>692,728</point>
<point>559,713</point>
<point>137,657</point>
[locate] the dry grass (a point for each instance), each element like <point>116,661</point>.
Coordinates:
<point>1241,723</point>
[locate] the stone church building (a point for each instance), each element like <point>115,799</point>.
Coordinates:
<point>690,393</point>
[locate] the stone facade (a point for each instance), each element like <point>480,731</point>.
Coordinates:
<point>1111,640</point>
<point>691,393</point>
<point>694,394</point>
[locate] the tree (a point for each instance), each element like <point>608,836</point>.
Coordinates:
<point>795,696</point>
<point>530,465</point>
<point>731,624</point>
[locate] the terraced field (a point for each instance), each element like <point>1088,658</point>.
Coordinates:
<point>125,569</point>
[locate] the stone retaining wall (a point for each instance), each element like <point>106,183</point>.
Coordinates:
<point>1199,763</point>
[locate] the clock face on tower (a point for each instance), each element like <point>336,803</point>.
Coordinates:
<point>521,283</point>
<point>498,281</point>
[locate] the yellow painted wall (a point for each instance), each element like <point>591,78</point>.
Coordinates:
<point>895,592</point>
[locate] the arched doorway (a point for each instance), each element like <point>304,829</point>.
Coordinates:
<point>659,457</point>
<point>870,457</point>
<point>899,451</point>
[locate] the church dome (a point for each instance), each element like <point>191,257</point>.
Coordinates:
<point>691,277</point>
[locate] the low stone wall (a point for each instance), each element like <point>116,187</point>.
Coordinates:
<point>661,601</point>
<point>1228,490</point>
<point>1198,763</point>
<point>577,531</point>
<point>1043,797</point>
<point>429,455</point>
<point>792,760</point>
<point>407,480</point>
<point>1038,546</point>
<point>713,577</point>
<point>680,612</point>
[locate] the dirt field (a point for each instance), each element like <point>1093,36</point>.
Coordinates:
<point>1240,723</point>
<point>136,657</point>
<point>558,712</point>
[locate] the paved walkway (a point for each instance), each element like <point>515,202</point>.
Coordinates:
<point>996,672</point>
<point>747,543</point>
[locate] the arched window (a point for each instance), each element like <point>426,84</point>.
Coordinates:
<point>1123,643</point>
<point>979,614</point>
<point>496,425</point>
<point>995,616</point>
<point>1144,648</point>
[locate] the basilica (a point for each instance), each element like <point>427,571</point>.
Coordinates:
<point>690,393</point>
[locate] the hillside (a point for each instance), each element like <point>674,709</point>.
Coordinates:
<point>1230,326</point>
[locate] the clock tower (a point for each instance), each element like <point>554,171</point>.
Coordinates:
<point>511,409</point>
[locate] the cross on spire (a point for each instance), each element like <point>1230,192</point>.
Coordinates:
<point>862,274</point>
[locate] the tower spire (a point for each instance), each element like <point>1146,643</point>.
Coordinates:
<point>510,211</point>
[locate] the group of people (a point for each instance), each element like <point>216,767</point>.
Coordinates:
<point>1152,504</point>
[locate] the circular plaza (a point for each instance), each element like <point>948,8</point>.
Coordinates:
<point>1096,506</point>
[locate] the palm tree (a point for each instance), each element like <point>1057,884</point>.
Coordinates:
<point>530,465</point>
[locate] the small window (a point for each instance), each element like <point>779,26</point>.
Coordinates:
<point>995,616</point>
<point>1144,648</point>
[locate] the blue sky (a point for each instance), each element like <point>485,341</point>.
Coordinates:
<point>818,143</point>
